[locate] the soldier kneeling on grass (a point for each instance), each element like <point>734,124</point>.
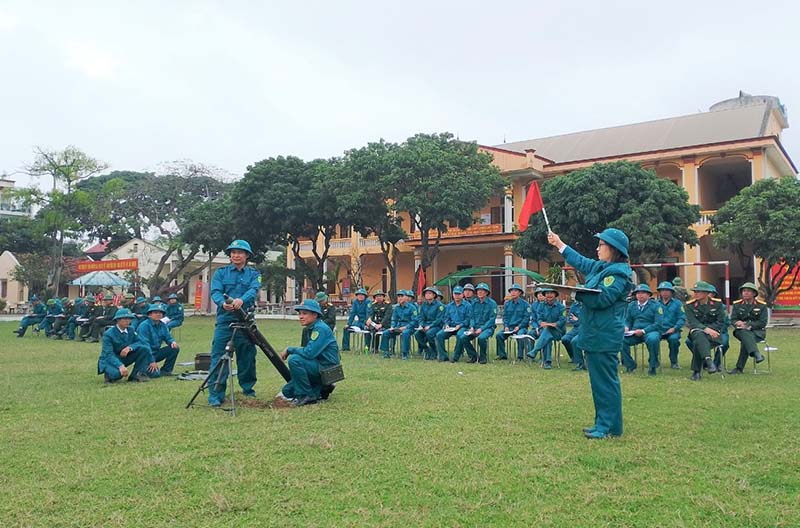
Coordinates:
<point>122,347</point>
<point>307,363</point>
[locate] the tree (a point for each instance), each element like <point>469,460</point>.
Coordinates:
<point>22,234</point>
<point>369,205</point>
<point>654,212</point>
<point>63,204</point>
<point>182,208</point>
<point>287,201</point>
<point>763,220</point>
<point>439,182</point>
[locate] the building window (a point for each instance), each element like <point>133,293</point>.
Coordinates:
<point>345,231</point>
<point>3,288</point>
<point>496,215</point>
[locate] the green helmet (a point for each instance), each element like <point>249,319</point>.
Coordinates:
<point>749,286</point>
<point>703,286</point>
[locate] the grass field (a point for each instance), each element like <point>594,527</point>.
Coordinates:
<point>399,444</point>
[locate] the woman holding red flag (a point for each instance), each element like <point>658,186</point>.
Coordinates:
<point>603,323</point>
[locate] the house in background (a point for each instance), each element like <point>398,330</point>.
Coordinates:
<point>713,155</point>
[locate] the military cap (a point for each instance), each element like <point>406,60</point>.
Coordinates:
<point>750,286</point>
<point>430,289</point>
<point>483,286</point>
<point>65,300</point>
<point>51,302</point>
<point>128,296</point>
<point>361,291</point>
<point>309,305</point>
<point>157,298</point>
<point>703,286</point>
<point>173,296</point>
<point>677,281</point>
<point>516,286</point>
<point>547,289</point>
<point>378,292</point>
<point>108,297</point>
<point>616,239</point>
<point>140,300</point>
<point>458,289</point>
<point>469,286</point>
<point>79,300</point>
<point>642,287</point>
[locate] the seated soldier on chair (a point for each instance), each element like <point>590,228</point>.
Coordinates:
<point>552,326</point>
<point>357,318</point>
<point>37,315</point>
<point>431,318</point>
<point>457,315</point>
<point>54,309</point>
<point>154,332</point>
<point>570,339</point>
<point>672,320</point>
<point>121,347</point>
<point>305,363</point>
<point>750,317</point>
<point>375,315</point>
<point>482,324</point>
<point>516,313</point>
<point>706,319</point>
<point>60,322</point>
<point>642,322</point>
<point>174,312</point>
<point>403,323</point>
<point>103,317</point>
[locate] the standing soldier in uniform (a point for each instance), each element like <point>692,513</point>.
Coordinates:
<point>705,318</point>
<point>241,283</point>
<point>516,313</point>
<point>358,318</point>
<point>375,316</point>
<point>431,317</point>
<point>749,317</point>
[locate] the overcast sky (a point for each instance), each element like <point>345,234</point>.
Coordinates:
<point>229,83</point>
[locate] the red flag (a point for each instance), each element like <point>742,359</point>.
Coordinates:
<point>533,204</point>
<point>421,282</point>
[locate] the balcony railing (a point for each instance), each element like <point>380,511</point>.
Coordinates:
<point>705,217</point>
<point>369,242</point>
<point>344,243</point>
<point>454,232</point>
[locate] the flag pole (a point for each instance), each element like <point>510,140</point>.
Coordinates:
<point>546,221</point>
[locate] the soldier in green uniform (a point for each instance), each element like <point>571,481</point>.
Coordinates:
<point>103,316</point>
<point>469,293</point>
<point>602,326</point>
<point>375,316</point>
<point>37,315</point>
<point>174,311</point>
<point>680,292</point>
<point>121,347</point>
<point>306,362</point>
<point>328,316</point>
<point>705,318</point>
<point>749,317</point>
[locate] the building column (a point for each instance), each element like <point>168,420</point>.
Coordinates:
<point>290,281</point>
<point>508,257</point>
<point>417,263</point>
<point>689,170</point>
<point>508,211</point>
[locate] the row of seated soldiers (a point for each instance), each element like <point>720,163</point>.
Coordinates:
<point>85,319</point>
<point>471,315</point>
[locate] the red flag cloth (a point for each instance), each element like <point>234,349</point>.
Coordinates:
<point>421,282</point>
<point>533,204</point>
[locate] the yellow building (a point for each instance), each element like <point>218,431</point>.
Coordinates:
<point>713,155</point>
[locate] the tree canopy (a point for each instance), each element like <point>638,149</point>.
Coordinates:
<point>763,220</point>
<point>654,212</point>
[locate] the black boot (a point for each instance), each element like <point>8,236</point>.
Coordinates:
<point>696,376</point>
